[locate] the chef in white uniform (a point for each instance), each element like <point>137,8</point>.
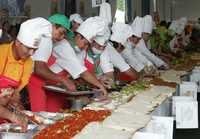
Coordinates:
<point>108,57</point>
<point>177,27</point>
<point>42,100</point>
<point>142,45</point>
<point>114,56</point>
<point>119,62</point>
<point>66,56</point>
<point>76,21</point>
<point>124,36</point>
<point>56,26</point>
<point>105,12</point>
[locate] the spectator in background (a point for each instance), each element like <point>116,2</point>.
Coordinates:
<point>5,38</point>
<point>197,24</point>
<point>156,19</point>
<point>13,31</point>
<point>163,23</point>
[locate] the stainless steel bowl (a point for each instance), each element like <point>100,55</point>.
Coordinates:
<point>76,104</point>
<point>6,134</point>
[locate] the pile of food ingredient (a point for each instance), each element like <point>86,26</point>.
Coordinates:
<point>69,127</point>
<point>134,88</point>
<point>83,87</point>
<point>161,82</point>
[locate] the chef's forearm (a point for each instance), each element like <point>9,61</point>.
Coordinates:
<point>5,113</point>
<point>42,70</point>
<point>87,76</point>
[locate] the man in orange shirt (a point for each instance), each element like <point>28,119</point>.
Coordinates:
<point>15,70</point>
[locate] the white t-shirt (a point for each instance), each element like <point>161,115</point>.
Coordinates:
<point>141,47</point>
<point>66,59</point>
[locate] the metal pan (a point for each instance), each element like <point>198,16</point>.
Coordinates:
<point>59,89</point>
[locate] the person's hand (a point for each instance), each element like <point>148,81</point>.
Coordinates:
<point>20,120</point>
<point>16,101</point>
<point>149,69</point>
<point>164,67</point>
<point>106,81</point>
<point>69,84</point>
<point>103,91</point>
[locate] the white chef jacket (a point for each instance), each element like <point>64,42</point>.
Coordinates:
<point>132,59</point>
<point>116,59</point>
<point>44,50</point>
<point>109,59</point>
<point>66,59</point>
<point>105,64</point>
<point>141,47</point>
<point>135,59</point>
<point>141,57</point>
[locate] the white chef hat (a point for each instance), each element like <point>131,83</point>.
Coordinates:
<point>92,27</point>
<point>183,20</point>
<point>137,26</point>
<point>177,26</point>
<point>121,32</point>
<point>76,17</point>
<point>102,39</point>
<point>174,26</point>
<point>32,30</point>
<point>105,12</point>
<point>180,29</point>
<point>147,24</point>
<point>182,23</point>
<point>0,32</point>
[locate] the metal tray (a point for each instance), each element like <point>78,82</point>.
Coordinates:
<point>59,89</point>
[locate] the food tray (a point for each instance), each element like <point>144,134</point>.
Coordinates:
<point>59,89</point>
